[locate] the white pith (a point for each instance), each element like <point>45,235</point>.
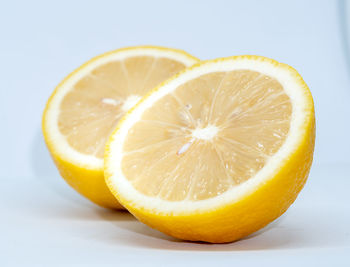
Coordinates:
<point>130,102</point>
<point>55,137</point>
<point>118,182</point>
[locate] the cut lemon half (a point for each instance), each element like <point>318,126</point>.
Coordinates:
<point>216,152</point>
<point>86,106</point>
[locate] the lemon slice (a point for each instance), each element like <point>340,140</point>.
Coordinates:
<point>86,106</point>
<point>217,152</point>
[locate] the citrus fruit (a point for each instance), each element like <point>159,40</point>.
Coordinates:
<point>217,152</point>
<point>85,107</point>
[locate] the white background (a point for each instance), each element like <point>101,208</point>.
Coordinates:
<point>43,221</point>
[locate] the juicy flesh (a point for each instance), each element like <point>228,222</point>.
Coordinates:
<point>209,135</point>
<point>89,112</point>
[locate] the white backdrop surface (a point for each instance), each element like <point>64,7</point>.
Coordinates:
<point>43,221</point>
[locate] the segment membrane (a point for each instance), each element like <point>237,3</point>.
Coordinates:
<point>251,113</point>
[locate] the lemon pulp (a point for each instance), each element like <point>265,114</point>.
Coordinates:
<point>92,108</point>
<point>209,135</point>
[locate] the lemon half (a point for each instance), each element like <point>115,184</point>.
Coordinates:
<point>86,106</point>
<point>217,152</point>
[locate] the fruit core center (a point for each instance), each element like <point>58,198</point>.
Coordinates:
<point>206,133</point>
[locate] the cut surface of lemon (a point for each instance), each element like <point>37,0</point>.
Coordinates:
<point>86,106</point>
<point>216,152</point>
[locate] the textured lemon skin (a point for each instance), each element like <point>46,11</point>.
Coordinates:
<point>89,182</point>
<point>250,213</point>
